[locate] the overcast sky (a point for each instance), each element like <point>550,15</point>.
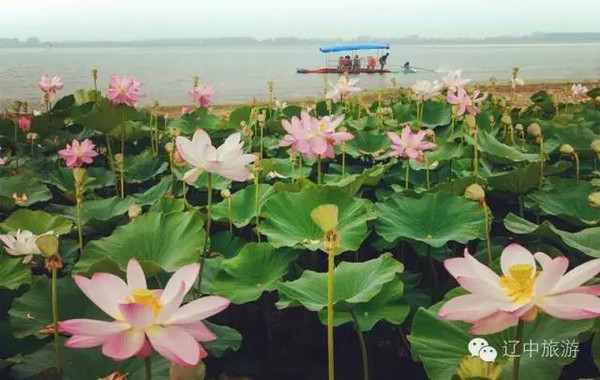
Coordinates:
<point>141,19</point>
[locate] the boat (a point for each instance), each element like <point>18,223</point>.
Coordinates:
<point>334,69</point>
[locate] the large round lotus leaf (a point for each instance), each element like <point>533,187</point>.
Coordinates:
<point>499,152</point>
<point>226,244</point>
<point>243,205</point>
<point>218,182</point>
<point>13,273</point>
<point>154,193</point>
<point>96,178</point>
<point>435,219</point>
<point>187,124</point>
<point>444,151</point>
<point>168,205</point>
<point>388,305</point>
<point>441,344</point>
<point>38,222</point>
<point>436,113</point>
<point>104,116</point>
<point>288,222</point>
<point>97,209</point>
<point>352,183</point>
<point>523,180</point>
<point>228,339</point>
<point>568,200</point>
<point>27,185</point>
<point>586,240</point>
<point>143,167</point>
<point>257,268</point>
<point>368,143</point>
<point>577,135</point>
<point>160,242</point>
<point>354,283</point>
<point>283,167</point>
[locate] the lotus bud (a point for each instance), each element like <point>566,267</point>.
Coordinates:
<point>566,149</point>
<point>594,199</point>
<point>535,131</point>
<point>225,193</point>
<point>47,244</point>
<point>95,74</point>
<point>493,81</point>
<point>519,128</point>
<point>134,211</point>
<point>24,123</point>
<point>186,110</point>
<point>196,80</point>
<point>596,147</point>
<point>271,84</point>
<point>454,111</point>
<point>246,130</point>
<point>197,372</point>
<point>506,119</point>
<point>169,147</point>
<point>174,132</point>
<point>119,158</point>
<point>475,193</point>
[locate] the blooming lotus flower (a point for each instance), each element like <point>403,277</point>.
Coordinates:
<point>228,160</point>
<point>24,124</point>
<point>77,154</point>
<point>50,85</point>
<point>409,144</point>
<point>201,95</point>
<point>22,243</point>
<point>343,88</point>
<point>145,319</point>
<point>124,91</point>
<point>425,90</point>
<point>313,137</point>
<point>579,91</point>
<point>454,81</point>
<point>464,102</point>
<point>498,302</point>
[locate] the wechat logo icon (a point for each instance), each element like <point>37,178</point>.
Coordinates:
<point>481,348</point>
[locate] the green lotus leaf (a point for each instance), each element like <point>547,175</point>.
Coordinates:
<point>501,153</point>
<point>352,183</point>
<point>143,167</point>
<point>288,222</point>
<point>388,305</point>
<point>24,184</point>
<point>441,344</point>
<point>354,283</point>
<point>13,273</point>
<point>436,113</point>
<point>283,167</point>
<point>228,339</point>
<point>104,116</point>
<point>218,182</point>
<point>168,205</point>
<point>402,112</point>
<point>435,219</point>
<point>586,241</point>
<point>243,205</point>
<point>38,222</point>
<point>96,209</point>
<point>226,244</point>
<point>576,135</point>
<point>154,193</point>
<point>523,180</point>
<point>257,268</point>
<point>568,200</point>
<point>199,119</point>
<point>96,178</point>
<point>370,143</point>
<point>160,242</point>
<point>444,152</point>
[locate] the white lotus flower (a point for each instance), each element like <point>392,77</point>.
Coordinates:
<point>22,243</point>
<point>343,88</point>
<point>425,90</point>
<point>454,81</point>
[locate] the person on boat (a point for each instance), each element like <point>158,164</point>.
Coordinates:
<point>356,64</point>
<point>371,63</point>
<point>406,65</point>
<point>341,63</point>
<point>383,60</point>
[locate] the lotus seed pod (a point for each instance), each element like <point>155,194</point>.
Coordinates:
<point>566,149</point>
<point>519,127</point>
<point>594,199</point>
<point>119,158</point>
<point>95,73</point>
<point>506,119</point>
<point>32,136</point>
<point>534,130</point>
<point>169,147</point>
<point>134,211</point>
<point>174,132</point>
<point>475,192</point>
<point>225,193</point>
<point>470,121</point>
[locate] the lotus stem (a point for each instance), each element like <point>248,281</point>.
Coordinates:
<point>453,119</point>
<point>330,292</point>
<point>230,211</point>
<point>148,366</point>
<point>475,157</point>
<point>111,162</point>
<point>319,169</point>
<point>78,207</point>
<point>407,174</point>
<point>488,227</point>
<point>122,163</point>
<point>262,130</point>
<point>343,159</point>
<point>16,146</point>
<point>363,346</point>
<point>427,173</point>
<point>576,158</point>
<point>256,200</point>
<point>208,222</point>
<point>518,350</point>
<point>521,207</point>
<point>55,319</point>
<point>541,162</point>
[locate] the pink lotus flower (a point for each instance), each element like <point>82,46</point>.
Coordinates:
<point>145,319</point>
<point>201,95</point>
<point>579,91</point>
<point>313,137</point>
<point>454,81</point>
<point>50,85</point>
<point>77,154</point>
<point>343,88</point>
<point>410,145</point>
<point>124,91</point>
<point>186,110</point>
<point>464,102</point>
<point>24,124</point>
<point>228,160</point>
<point>498,302</point>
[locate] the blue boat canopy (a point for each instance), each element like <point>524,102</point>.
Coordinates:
<point>329,49</point>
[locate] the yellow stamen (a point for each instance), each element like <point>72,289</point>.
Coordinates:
<point>148,298</point>
<point>519,285</point>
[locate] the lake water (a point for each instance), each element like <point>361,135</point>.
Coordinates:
<point>240,72</point>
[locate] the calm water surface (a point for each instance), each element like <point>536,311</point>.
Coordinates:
<point>240,72</point>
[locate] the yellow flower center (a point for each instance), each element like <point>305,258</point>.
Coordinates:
<point>519,285</point>
<point>77,150</point>
<point>322,126</point>
<point>148,298</point>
